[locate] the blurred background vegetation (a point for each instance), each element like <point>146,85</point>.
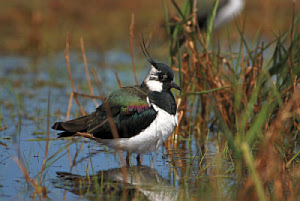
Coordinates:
<point>39,27</point>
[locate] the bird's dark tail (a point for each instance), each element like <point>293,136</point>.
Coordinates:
<point>71,127</point>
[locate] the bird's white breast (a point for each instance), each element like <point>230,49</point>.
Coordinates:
<point>151,138</point>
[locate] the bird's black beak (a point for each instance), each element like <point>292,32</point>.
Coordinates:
<point>174,85</point>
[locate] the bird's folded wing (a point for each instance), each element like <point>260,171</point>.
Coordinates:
<point>130,111</point>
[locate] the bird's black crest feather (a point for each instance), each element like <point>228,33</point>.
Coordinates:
<point>146,53</point>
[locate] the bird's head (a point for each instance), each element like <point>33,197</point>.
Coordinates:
<point>160,77</point>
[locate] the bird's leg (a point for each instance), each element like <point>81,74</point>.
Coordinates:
<point>138,159</point>
<point>127,158</point>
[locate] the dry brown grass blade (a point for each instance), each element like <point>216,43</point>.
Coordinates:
<point>185,80</point>
<point>106,106</point>
<point>89,96</point>
<point>109,116</point>
<point>41,191</point>
<point>25,172</point>
<point>98,83</point>
<point>118,79</point>
<point>112,125</point>
<point>173,137</point>
<point>4,128</point>
<point>87,70</point>
<point>131,31</point>
<point>78,104</point>
<point>69,106</point>
<point>2,144</point>
<point>87,135</point>
<point>67,58</point>
<point>116,136</point>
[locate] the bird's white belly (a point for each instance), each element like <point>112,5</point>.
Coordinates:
<point>149,139</point>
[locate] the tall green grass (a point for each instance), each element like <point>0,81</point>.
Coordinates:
<point>251,98</point>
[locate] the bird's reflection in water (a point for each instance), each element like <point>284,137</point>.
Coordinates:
<point>141,182</point>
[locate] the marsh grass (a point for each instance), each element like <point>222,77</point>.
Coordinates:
<point>251,99</point>
<point>247,102</point>
<point>244,102</point>
<point>40,189</point>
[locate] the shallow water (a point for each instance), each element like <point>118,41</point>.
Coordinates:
<point>26,86</point>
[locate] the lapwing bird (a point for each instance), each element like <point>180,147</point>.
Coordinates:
<point>226,10</point>
<point>144,115</point>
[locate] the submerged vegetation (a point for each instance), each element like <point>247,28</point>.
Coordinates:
<point>238,133</point>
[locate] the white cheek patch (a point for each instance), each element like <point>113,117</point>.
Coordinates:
<point>154,85</point>
<point>151,80</point>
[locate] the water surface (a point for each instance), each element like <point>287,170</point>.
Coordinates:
<point>29,85</point>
